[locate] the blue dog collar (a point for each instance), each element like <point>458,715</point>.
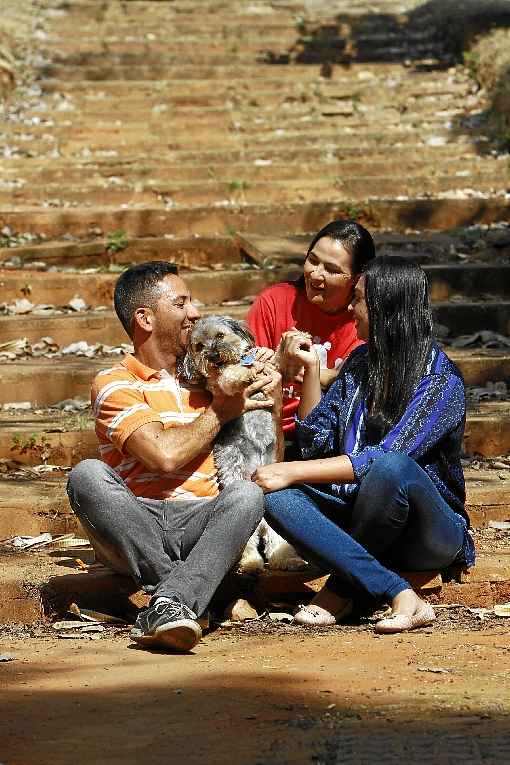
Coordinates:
<point>248,359</point>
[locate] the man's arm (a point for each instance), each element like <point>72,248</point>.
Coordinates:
<point>166,450</point>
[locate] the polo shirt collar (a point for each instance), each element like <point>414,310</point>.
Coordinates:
<point>141,370</point>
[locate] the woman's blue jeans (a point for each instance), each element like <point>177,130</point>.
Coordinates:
<point>398,519</point>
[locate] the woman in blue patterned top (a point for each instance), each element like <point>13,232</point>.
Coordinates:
<point>380,486</point>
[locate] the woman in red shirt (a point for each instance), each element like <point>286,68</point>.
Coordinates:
<point>316,303</point>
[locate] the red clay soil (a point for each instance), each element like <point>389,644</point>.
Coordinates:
<point>261,693</point>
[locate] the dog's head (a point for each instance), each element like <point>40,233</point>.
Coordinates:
<point>214,342</point>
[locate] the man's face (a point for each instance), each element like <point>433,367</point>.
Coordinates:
<point>359,309</point>
<point>173,316</point>
<point>328,276</point>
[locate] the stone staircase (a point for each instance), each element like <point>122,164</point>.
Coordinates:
<point>220,136</point>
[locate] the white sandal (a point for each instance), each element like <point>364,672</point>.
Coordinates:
<point>401,623</point>
<point>316,616</point>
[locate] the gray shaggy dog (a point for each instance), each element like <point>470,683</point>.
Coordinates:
<point>218,356</point>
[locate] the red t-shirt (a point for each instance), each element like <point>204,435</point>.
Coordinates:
<point>283,306</point>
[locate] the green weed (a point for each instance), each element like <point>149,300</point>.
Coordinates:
<point>471,62</point>
<point>353,211</point>
<point>116,241</point>
<point>39,449</point>
<point>237,185</point>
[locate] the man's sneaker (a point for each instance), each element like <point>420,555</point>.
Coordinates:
<point>168,624</point>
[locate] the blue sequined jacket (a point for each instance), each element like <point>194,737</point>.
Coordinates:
<point>430,430</point>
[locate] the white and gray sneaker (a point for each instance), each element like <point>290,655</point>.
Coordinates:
<point>167,624</point>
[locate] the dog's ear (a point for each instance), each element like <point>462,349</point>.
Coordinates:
<point>241,329</point>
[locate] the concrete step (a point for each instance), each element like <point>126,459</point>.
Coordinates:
<point>196,251</point>
<point>193,56</point>
<point>213,284</point>
<point>37,585</point>
<point>102,326</point>
<point>199,49</point>
<point>488,429</point>
<point>56,439</point>
<point>227,275</point>
<point>165,120</point>
<point>280,219</point>
<point>317,154</point>
<point>432,249</point>
<point>297,137</point>
<point>131,175</point>
<point>263,95</point>
<point>46,381</point>
<point>144,77</point>
<point>241,191</point>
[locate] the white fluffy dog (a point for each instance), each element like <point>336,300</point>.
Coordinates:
<point>219,355</point>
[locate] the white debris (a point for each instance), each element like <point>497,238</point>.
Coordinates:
<point>77,304</point>
<point>23,542</point>
<point>72,405</point>
<point>436,140</point>
<point>21,306</point>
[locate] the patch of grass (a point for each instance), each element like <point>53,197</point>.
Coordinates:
<point>31,445</point>
<point>238,185</point>
<point>116,241</point>
<point>353,211</point>
<point>471,61</point>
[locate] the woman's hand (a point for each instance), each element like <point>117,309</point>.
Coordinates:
<point>274,477</point>
<point>296,348</point>
<point>328,376</point>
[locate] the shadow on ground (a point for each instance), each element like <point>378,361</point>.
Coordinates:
<point>233,718</point>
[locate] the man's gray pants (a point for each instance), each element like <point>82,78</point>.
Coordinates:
<point>170,547</point>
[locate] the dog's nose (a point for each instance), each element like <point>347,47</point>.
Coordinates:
<point>212,354</point>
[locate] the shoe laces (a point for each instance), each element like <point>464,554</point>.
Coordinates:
<point>173,608</point>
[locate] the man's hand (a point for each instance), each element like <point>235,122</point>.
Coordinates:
<point>273,389</point>
<point>264,355</point>
<point>229,408</point>
<point>274,477</point>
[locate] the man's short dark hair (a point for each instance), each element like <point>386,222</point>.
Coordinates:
<point>137,286</point>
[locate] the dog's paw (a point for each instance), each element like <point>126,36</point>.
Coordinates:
<point>234,378</point>
<point>251,563</point>
<point>284,562</point>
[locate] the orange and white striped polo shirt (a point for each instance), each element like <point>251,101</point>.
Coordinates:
<point>130,395</point>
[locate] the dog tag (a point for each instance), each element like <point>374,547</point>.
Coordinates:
<point>248,360</point>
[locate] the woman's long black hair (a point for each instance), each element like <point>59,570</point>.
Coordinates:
<point>353,236</point>
<point>400,337</point>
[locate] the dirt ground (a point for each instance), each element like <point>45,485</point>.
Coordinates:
<point>261,693</point>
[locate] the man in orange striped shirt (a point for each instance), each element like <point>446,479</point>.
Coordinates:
<point>151,504</point>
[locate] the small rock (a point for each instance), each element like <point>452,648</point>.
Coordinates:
<point>240,611</point>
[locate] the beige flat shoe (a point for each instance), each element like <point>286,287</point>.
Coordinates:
<point>401,623</point>
<point>315,616</point>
